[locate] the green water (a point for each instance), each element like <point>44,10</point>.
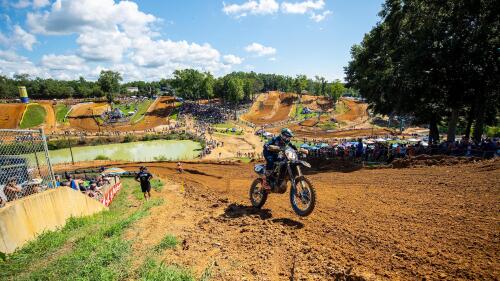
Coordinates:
<point>132,151</point>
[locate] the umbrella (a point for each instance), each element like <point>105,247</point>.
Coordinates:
<point>413,140</point>
<point>380,140</point>
<point>114,171</point>
<point>370,142</point>
<point>305,145</point>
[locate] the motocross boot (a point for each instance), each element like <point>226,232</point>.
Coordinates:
<point>267,181</point>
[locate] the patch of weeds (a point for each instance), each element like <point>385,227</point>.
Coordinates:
<point>168,242</point>
<point>207,273</point>
<point>154,271</point>
<point>157,185</point>
<point>101,157</point>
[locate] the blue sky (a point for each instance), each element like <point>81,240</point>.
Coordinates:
<point>149,39</point>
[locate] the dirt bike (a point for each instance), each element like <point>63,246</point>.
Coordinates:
<point>287,169</point>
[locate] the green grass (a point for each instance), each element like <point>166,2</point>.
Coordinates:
<point>227,125</point>
<point>154,271</point>
<point>61,112</point>
<point>329,125</point>
<point>168,242</point>
<point>174,115</point>
<point>298,115</point>
<point>91,248</point>
<point>142,107</point>
<point>33,116</point>
<point>341,108</point>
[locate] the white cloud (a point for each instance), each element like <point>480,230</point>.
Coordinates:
<point>262,7</point>
<point>302,7</point>
<point>260,50</point>
<point>11,63</point>
<point>40,3</point>
<point>21,4</point>
<point>272,59</point>
<point>320,17</point>
<point>119,36</point>
<point>19,37</point>
<point>63,62</point>
<point>232,59</point>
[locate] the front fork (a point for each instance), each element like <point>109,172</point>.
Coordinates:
<point>292,179</point>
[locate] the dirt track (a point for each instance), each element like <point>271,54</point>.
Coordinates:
<point>404,224</point>
<point>82,116</point>
<point>50,118</point>
<point>11,114</point>
<point>270,108</point>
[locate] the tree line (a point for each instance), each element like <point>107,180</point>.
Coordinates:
<point>186,83</point>
<point>435,60</point>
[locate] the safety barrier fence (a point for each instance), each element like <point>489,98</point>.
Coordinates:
<point>25,167</point>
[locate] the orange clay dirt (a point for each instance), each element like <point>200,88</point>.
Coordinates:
<point>83,116</point>
<point>270,108</point>
<point>430,223</point>
<point>50,118</point>
<point>11,114</point>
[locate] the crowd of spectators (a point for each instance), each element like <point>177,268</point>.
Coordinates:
<point>387,151</point>
<point>92,186</point>
<point>209,113</point>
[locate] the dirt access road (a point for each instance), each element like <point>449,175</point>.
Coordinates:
<point>437,223</point>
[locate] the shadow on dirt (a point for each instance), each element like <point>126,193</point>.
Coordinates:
<point>288,222</point>
<point>238,211</point>
<point>196,172</point>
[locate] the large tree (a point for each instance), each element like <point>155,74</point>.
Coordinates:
<point>435,60</point>
<point>109,81</point>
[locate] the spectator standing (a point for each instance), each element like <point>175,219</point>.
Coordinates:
<point>144,177</point>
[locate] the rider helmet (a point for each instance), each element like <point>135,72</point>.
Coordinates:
<point>286,134</point>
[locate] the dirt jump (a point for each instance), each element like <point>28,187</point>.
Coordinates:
<point>83,116</point>
<point>50,123</point>
<point>270,108</point>
<point>432,223</point>
<point>11,114</point>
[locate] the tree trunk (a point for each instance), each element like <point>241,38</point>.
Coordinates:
<point>470,119</point>
<point>433,130</point>
<point>478,126</point>
<point>452,125</point>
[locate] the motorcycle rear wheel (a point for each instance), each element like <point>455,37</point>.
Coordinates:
<point>258,196</point>
<point>308,194</point>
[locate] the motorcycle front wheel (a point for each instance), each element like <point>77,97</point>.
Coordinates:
<point>303,198</point>
<point>258,195</point>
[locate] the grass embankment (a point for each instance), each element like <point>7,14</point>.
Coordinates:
<point>341,107</point>
<point>94,248</point>
<point>141,106</point>
<point>61,112</point>
<point>297,114</point>
<point>33,116</point>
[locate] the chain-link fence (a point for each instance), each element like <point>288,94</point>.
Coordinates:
<point>25,167</point>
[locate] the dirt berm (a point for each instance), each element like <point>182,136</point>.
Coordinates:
<point>431,160</point>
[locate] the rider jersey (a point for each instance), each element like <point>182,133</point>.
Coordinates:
<point>278,141</point>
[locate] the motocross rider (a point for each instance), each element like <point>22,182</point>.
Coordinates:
<point>271,157</point>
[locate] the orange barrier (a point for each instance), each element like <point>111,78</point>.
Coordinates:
<point>110,194</point>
